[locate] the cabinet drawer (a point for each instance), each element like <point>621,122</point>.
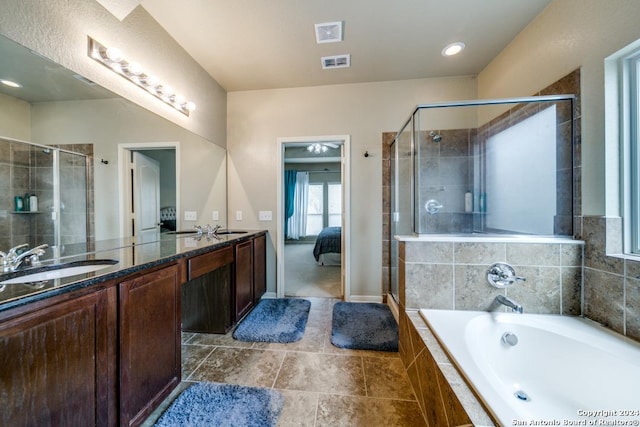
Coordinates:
<point>205,263</point>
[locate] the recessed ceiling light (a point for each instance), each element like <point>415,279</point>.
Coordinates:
<point>453,49</point>
<point>10,83</point>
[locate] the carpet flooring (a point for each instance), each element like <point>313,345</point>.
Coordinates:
<point>280,320</point>
<point>364,326</point>
<point>303,277</point>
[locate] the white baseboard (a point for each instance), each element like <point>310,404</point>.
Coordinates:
<point>269,295</point>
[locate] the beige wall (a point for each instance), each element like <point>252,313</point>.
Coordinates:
<point>58,29</point>
<point>364,111</point>
<point>569,34</point>
<point>109,122</point>
<point>15,120</point>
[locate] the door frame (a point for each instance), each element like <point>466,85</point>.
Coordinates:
<point>345,165</point>
<point>124,183</point>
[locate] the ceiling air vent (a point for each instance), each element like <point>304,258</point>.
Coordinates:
<point>337,61</point>
<point>329,32</point>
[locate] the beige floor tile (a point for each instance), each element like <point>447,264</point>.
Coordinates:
<point>240,366</point>
<point>219,340</point>
<point>334,410</point>
<point>323,373</point>
<point>299,409</point>
<point>192,356</point>
<point>386,377</point>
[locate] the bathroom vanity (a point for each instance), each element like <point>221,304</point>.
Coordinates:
<point>104,348</point>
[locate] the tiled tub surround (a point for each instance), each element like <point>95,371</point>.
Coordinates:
<point>442,393</point>
<point>611,281</point>
<point>448,272</point>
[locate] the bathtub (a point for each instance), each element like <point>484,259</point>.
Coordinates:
<point>562,371</point>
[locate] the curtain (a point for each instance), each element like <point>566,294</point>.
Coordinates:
<point>289,194</point>
<point>297,223</point>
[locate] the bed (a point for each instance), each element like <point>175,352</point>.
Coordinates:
<point>328,246</point>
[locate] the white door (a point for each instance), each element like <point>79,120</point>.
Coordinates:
<point>146,197</point>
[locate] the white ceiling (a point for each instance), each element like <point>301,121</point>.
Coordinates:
<point>265,44</point>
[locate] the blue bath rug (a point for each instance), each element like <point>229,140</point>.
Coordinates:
<point>280,320</point>
<point>213,404</point>
<point>364,326</point>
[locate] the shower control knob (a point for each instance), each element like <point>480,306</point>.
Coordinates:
<point>433,206</point>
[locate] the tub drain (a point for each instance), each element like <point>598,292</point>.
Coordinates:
<point>522,395</point>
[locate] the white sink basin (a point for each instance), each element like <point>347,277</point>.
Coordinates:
<point>61,270</point>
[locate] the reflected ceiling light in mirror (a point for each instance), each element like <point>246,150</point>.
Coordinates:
<point>113,59</point>
<point>453,49</point>
<point>10,83</point>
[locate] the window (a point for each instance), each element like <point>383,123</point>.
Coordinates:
<point>315,209</point>
<point>324,208</point>
<point>632,65</point>
<point>335,205</point>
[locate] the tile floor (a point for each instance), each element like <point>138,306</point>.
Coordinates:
<point>323,385</point>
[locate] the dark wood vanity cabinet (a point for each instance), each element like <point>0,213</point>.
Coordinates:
<point>206,296</point>
<point>57,363</point>
<point>243,278</point>
<point>259,267</point>
<point>149,323</point>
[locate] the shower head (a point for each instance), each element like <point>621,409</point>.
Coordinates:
<point>436,137</point>
<point>46,151</point>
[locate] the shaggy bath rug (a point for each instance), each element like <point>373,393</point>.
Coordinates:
<point>213,404</point>
<point>279,320</point>
<point>364,326</point>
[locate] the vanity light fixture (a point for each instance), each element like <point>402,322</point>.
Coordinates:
<point>10,83</point>
<point>113,59</point>
<point>453,49</point>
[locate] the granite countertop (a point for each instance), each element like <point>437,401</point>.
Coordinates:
<point>132,256</point>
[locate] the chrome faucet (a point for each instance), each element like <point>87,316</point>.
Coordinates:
<point>11,261</point>
<point>514,306</point>
<point>211,231</point>
<point>501,275</point>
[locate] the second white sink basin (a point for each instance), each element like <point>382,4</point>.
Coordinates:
<point>62,270</point>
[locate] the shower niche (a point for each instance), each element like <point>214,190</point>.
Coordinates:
<point>58,179</point>
<point>485,167</point>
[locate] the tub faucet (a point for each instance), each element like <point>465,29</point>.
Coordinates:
<point>514,306</point>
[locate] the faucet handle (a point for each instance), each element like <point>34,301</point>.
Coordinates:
<point>14,251</point>
<point>501,275</point>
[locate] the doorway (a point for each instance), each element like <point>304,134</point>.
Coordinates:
<point>149,189</point>
<point>313,217</point>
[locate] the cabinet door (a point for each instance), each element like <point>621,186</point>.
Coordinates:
<point>149,342</point>
<point>243,278</point>
<point>57,363</point>
<point>259,267</point>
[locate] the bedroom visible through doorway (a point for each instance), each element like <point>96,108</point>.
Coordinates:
<point>312,219</point>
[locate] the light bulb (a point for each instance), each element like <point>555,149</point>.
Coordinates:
<point>114,54</point>
<point>190,106</point>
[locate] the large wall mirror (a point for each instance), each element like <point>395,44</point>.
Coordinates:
<point>56,107</point>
